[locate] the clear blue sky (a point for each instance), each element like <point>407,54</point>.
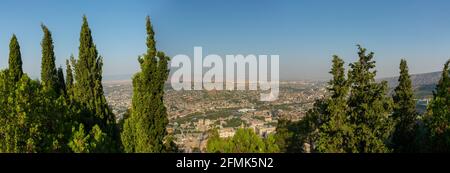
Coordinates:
<point>304,33</point>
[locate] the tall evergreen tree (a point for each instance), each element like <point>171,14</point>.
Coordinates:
<point>69,78</point>
<point>160,117</point>
<point>369,107</point>
<point>5,119</point>
<point>30,122</point>
<point>88,77</point>
<point>15,60</point>
<point>88,89</point>
<point>404,112</point>
<point>335,132</point>
<point>145,129</point>
<point>49,74</point>
<point>438,116</point>
<point>60,82</point>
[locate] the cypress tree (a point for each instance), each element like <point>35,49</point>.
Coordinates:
<point>88,89</point>
<point>5,119</point>
<point>49,74</point>
<point>61,84</point>
<point>145,129</point>
<point>27,127</point>
<point>438,115</point>
<point>338,85</point>
<point>404,112</point>
<point>15,60</point>
<point>160,117</point>
<point>335,132</point>
<point>369,107</point>
<point>69,77</point>
<point>88,76</point>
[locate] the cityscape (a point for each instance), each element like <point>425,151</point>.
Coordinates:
<point>192,114</point>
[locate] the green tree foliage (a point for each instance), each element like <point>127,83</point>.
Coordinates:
<point>58,115</point>
<point>88,77</point>
<point>88,89</point>
<point>270,144</point>
<point>283,136</point>
<point>56,120</point>
<point>404,112</point>
<point>336,132</point>
<point>17,127</point>
<point>438,117</point>
<point>5,119</point>
<point>79,143</point>
<point>369,107</point>
<point>4,91</point>
<point>69,79</point>
<point>145,129</point>
<point>49,74</point>
<point>216,144</point>
<point>355,118</point>
<point>244,141</point>
<point>21,107</point>
<point>93,142</point>
<point>128,135</point>
<point>60,82</point>
<point>15,60</point>
<point>170,146</point>
<point>325,128</point>
<point>300,136</point>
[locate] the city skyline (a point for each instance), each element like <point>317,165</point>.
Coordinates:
<point>305,34</point>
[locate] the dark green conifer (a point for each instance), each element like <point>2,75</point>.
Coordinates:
<point>145,129</point>
<point>49,74</point>
<point>61,84</point>
<point>404,112</point>
<point>369,107</point>
<point>15,60</point>
<point>88,76</point>
<point>438,116</point>
<point>69,78</point>
<point>336,131</point>
<point>88,90</point>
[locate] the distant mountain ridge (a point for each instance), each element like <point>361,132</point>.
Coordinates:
<point>120,77</point>
<point>423,83</point>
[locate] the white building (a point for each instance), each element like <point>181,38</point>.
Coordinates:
<point>226,132</point>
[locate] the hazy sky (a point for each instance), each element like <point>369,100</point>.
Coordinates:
<point>304,33</point>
